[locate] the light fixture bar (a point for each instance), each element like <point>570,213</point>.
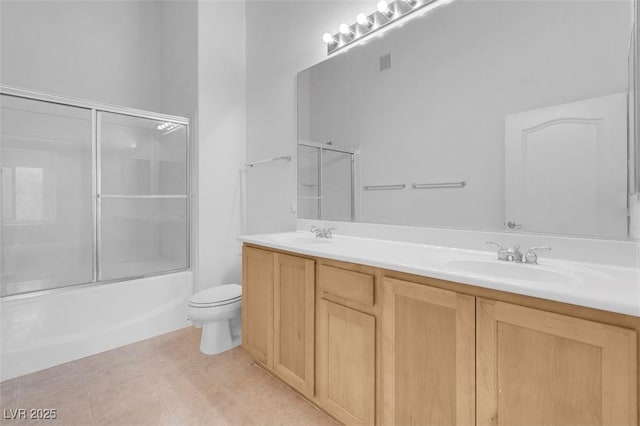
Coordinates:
<point>386,17</point>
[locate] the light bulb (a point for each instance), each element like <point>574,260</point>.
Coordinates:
<point>383,7</point>
<point>344,29</point>
<point>362,19</point>
<point>328,38</point>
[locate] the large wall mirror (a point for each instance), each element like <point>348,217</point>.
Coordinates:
<point>485,114</point>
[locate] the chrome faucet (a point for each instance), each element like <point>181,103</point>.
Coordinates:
<point>531,257</point>
<point>322,232</point>
<point>512,254</point>
<point>502,250</point>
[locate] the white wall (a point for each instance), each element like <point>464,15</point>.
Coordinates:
<point>178,53</point>
<point>100,50</point>
<point>139,54</point>
<point>221,139</point>
<point>283,38</point>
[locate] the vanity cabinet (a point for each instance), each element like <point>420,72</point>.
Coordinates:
<point>293,321</point>
<point>428,355</point>
<point>541,368</point>
<point>346,344</point>
<point>346,363</point>
<point>278,314</point>
<point>257,304</point>
<point>379,347</point>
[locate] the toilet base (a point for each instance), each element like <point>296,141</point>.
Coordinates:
<point>217,338</point>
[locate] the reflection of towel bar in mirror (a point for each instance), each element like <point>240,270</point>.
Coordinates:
<point>439,185</point>
<point>383,187</point>
<point>268,160</point>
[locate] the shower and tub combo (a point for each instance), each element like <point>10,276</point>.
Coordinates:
<point>91,194</point>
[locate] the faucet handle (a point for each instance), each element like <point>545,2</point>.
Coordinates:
<point>531,257</point>
<point>328,233</point>
<point>502,250</point>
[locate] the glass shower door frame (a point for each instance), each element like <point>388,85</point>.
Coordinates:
<point>96,108</point>
<point>99,196</point>
<point>324,147</point>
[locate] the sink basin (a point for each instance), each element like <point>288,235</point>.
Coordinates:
<point>516,271</point>
<point>300,239</point>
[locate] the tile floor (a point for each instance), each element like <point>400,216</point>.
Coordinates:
<point>160,381</point>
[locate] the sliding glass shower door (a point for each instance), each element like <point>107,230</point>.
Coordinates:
<point>142,194</point>
<point>47,208</point>
<point>90,193</point>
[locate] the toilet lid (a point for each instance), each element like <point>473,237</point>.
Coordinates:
<point>218,295</point>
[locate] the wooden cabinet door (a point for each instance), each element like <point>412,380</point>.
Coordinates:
<point>294,317</point>
<point>257,304</point>
<point>541,368</point>
<point>346,363</point>
<point>428,355</point>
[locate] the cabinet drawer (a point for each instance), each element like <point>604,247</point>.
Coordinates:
<point>350,285</point>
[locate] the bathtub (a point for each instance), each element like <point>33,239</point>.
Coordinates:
<point>47,330</point>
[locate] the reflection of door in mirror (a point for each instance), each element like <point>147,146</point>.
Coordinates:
<point>566,168</point>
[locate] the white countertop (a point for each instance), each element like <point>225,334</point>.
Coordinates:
<point>609,288</point>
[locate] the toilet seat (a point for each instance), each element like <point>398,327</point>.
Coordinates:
<point>214,305</point>
<point>217,296</point>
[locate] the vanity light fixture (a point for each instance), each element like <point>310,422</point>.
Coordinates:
<point>387,16</point>
<point>329,39</point>
<point>384,9</point>
<point>345,30</point>
<point>364,20</point>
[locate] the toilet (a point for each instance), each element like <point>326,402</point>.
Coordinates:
<point>217,310</point>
